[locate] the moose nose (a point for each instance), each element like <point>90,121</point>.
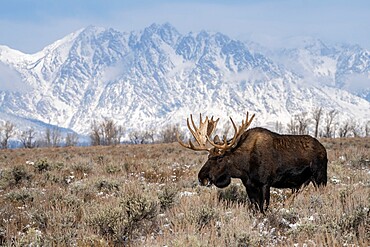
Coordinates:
<point>205,182</point>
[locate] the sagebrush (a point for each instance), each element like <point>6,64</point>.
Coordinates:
<point>147,195</point>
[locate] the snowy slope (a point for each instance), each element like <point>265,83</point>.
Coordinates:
<point>148,79</point>
<point>343,66</point>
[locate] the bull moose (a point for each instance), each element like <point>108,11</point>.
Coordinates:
<point>259,157</point>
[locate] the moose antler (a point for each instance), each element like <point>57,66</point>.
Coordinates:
<point>200,134</point>
<point>238,133</point>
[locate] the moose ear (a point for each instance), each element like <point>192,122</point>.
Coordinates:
<point>217,140</point>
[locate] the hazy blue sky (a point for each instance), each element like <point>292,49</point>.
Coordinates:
<point>29,25</point>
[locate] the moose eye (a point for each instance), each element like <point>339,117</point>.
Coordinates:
<point>219,159</point>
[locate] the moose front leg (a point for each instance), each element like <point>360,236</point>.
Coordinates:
<point>263,192</point>
<point>256,194</point>
<point>260,195</point>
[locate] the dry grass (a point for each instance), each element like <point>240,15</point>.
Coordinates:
<point>147,195</point>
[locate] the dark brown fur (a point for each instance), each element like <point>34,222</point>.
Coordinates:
<point>264,159</point>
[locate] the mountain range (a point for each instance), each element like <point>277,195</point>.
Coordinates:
<point>151,78</point>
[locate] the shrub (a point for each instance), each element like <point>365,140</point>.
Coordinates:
<point>242,240</point>
<point>204,216</point>
<point>112,169</point>
<point>81,169</point>
<point>40,219</point>
<point>32,237</point>
<point>110,222</point>
<point>107,186</point>
<point>14,176</point>
<point>139,208</point>
<point>121,223</point>
<point>351,221</point>
<point>23,195</point>
<point>84,191</point>
<point>42,165</point>
<point>20,173</point>
<point>167,197</point>
<point>233,194</point>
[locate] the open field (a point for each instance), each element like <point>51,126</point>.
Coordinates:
<point>147,195</point>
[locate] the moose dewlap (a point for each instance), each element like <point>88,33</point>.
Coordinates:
<point>259,157</point>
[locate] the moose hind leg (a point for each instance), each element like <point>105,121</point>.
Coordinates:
<point>319,171</point>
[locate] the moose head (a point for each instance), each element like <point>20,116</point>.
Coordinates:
<point>218,168</point>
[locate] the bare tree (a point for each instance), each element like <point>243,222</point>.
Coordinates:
<point>135,137</point>
<point>71,139</point>
<point>316,116</point>
<point>47,137</point>
<point>108,132</point>
<point>56,136</point>
<point>149,136</point>
<point>168,134</point>
<point>293,126</point>
<point>111,132</point>
<point>6,131</point>
<point>95,134</point>
<point>52,138</point>
<point>27,138</point>
<point>141,137</point>
<point>344,129</point>
<point>329,123</point>
<point>299,124</point>
<point>355,129</point>
<point>105,133</point>
<point>367,129</point>
<point>303,122</point>
<point>119,134</point>
<point>279,127</point>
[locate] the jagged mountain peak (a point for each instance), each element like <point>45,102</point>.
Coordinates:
<point>205,46</point>
<point>63,42</point>
<point>209,37</point>
<point>156,28</point>
<point>166,32</point>
<point>99,34</point>
<point>92,30</point>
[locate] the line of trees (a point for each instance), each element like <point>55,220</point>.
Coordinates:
<point>52,137</point>
<point>300,125</point>
<point>319,124</point>
<point>107,132</point>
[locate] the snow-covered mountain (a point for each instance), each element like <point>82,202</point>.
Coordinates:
<point>343,66</point>
<point>154,77</point>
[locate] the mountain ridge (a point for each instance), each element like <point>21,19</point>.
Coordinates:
<point>157,76</point>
